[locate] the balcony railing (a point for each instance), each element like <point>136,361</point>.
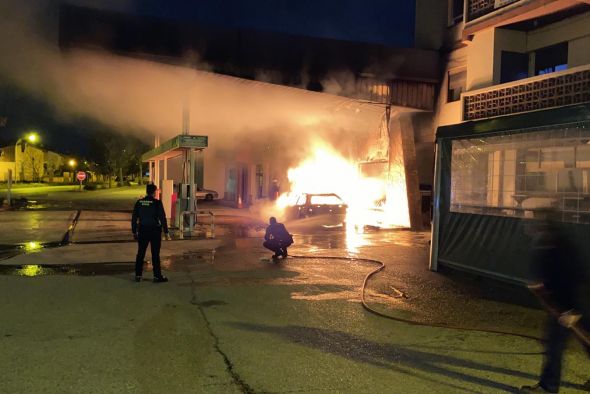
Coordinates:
<point>479,8</point>
<point>531,94</point>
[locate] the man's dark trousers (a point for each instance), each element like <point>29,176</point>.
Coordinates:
<point>278,247</point>
<point>153,237</point>
<point>557,336</point>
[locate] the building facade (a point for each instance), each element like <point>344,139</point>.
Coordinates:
<point>514,131</point>
<point>29,163</point>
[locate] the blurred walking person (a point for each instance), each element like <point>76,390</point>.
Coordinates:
<point>558,282</point>
<point>147,222</point>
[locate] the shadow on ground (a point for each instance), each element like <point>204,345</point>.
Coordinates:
<point>391,356</point>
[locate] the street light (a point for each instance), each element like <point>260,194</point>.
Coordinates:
<point>33,137</point>
<point>72,163</point>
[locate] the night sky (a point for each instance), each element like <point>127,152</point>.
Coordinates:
<point>372,21</point>
<point>384,22</point>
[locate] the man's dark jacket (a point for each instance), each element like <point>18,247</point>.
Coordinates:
<point>150,214</point>
<point>278,232</point>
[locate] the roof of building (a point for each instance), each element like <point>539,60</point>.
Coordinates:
<point>242,53</point>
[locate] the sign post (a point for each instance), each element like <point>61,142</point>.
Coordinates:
<point>9,193</point>
<point>80,176</point>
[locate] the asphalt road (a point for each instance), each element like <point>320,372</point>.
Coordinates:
<point>229,322</point>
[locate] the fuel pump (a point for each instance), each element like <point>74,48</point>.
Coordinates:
<point>185,206</point>
<point>180,195</point>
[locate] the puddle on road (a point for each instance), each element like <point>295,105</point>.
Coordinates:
<point>73,269</point>
<point>179,263</point>
<point>8,251</point>
<point>232,230</point>
<point>242,239</point>
<point>23,204</point>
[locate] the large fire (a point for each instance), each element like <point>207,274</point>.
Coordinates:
<point>372,201</point>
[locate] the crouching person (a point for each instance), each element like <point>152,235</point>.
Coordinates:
<point>277,239</point>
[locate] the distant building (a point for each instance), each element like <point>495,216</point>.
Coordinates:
<point>29,163</point>
<point>7,163</point>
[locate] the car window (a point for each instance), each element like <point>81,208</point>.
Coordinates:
<point>326,200</point>
<point>300,200</point>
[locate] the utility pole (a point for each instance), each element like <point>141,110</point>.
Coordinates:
<point>189,159</point>
<point>9,192</point>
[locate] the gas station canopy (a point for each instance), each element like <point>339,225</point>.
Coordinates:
<point>175,147</point>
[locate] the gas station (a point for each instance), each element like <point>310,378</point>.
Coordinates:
<point>177,195</point>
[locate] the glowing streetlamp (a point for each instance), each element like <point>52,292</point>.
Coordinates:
<point>32,137</point>
<point>72,164</point>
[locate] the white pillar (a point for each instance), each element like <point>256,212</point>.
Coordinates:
<point>9,192</point>
<point>436,207</point>
<point>157,172</point>
<point>191,199</point>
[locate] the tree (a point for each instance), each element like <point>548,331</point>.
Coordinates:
<point>119,155</point>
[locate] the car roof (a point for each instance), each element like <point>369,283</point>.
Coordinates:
<point>320,194</point>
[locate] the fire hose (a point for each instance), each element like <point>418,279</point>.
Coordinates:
<point>366,306</point>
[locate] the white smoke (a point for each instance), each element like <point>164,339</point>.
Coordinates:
<point>137,95</point>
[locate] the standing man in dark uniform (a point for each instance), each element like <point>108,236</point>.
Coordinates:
<point>277,238</point>
<point>149,212</point>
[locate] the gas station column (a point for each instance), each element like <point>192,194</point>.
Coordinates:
<point>185,189</point>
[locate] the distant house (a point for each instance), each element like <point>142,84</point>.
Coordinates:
<point>7,163</point>
<point>28,163</point>
<point>52,162</point>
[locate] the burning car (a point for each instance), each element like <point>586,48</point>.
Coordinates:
<point>311,205</point>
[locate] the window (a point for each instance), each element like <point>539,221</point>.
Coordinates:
<point>259,181</point>
<point>231,183</point>
<point>518,174</point>
<point>514,66</point>
<point>457,83</point>
<point>326,200</point>
<point>551,59</point>
<point>455,11</point>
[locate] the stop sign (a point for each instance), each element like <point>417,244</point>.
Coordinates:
<point>80,175</point>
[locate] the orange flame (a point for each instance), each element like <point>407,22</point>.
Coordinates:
<point>380,202</point>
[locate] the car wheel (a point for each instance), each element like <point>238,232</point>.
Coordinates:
<point>209,197</point>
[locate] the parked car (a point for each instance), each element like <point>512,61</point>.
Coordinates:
<point>206,194</point>
<point>309,205</point>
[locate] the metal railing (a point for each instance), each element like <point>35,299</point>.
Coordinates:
<point>210,233</point>
<point>477,8</point>
<point>542,92</point>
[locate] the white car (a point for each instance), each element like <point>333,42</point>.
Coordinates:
<point>205,194</point>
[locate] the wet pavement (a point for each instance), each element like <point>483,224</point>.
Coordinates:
<point>103,252</point>
<point>20,227</point>
<point>232,321</point>
<point>100,226</point>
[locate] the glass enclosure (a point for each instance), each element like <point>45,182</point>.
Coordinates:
<point>518,174</point>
